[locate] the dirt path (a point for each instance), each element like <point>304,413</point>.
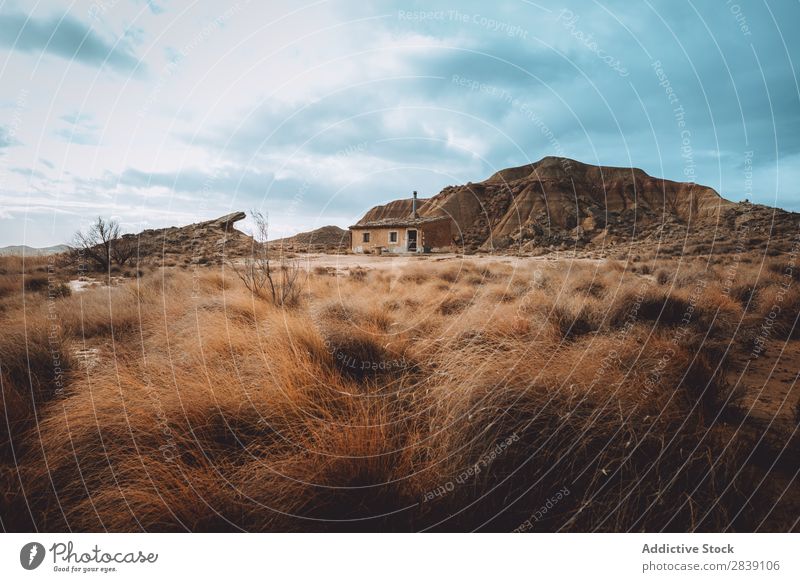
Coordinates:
<point>770,383</point>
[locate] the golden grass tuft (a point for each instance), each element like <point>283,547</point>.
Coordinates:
<point>448,397</point>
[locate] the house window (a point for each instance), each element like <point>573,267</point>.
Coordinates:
<point>392,236</point>
<point>365,237</point>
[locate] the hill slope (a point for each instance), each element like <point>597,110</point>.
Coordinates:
<point>201,242</point>
<point>326,238</point>
<point>561,203</point>
<point>394,209</point>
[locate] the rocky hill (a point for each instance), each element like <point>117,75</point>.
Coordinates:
<point>211,241</point>
<point>558,203</point>
<point>325,239</point>
<point>394,209</point>
<point>214,241</point>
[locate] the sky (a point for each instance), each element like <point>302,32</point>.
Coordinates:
<point>159,113</point>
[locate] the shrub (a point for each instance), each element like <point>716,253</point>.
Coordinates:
<point>452,305</point>
<point>35,283</point>
<point>417,275</point>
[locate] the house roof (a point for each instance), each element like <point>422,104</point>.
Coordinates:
<point>398,222</point>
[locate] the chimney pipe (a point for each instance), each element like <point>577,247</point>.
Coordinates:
<point>414,205</point>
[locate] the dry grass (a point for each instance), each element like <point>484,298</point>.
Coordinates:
<point>451,396</point>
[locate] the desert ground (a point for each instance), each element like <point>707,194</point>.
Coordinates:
<point>344,263</point>
<point>416,393</point>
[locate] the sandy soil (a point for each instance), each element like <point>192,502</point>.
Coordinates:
<point>83,283</point>
<point>389,262</point>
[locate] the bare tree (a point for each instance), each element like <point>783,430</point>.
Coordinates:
<point>102,244</point>
<point>123,249</point>
<point>277,283</point>
<point>96,243</point>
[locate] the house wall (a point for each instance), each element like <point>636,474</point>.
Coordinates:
<point>378,238</point>
<point>434,235</point>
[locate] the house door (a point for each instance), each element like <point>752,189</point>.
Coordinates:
<point>412,240</point>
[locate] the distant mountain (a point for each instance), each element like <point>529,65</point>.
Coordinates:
<point>326,238</point>
<point>32,251</point>
<point>559,203</point>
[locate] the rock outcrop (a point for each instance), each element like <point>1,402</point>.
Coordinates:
<point>211,241</point>
<point>225,223</point>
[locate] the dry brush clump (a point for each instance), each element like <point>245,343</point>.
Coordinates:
<point>452,396</point>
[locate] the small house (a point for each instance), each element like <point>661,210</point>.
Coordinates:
<point>401,234</point>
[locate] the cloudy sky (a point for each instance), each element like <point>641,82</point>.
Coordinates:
<point>163,112</point>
